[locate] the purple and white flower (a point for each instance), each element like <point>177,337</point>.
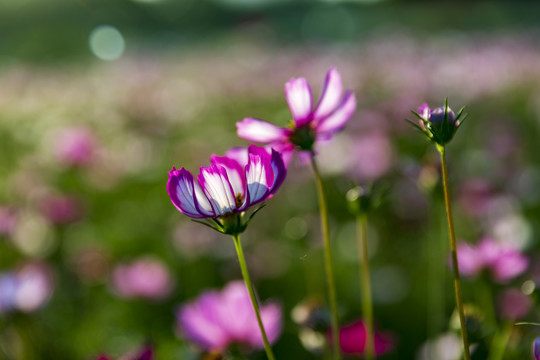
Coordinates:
<point>227,186</point>
<point>310,124</point>
<point>216,320</point>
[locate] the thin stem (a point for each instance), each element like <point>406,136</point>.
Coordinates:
<point>323,209</point>
<point>367,304</point>
<point>455,267</point>
<point>245,274</point>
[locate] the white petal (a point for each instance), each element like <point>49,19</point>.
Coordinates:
<point>216,187</point>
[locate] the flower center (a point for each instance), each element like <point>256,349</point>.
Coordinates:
<point>303,137</point>
<point>239,200</point>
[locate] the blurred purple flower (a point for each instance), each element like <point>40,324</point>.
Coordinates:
<point>536,348</point>
<point>503,261</point>
<point>8,220</point>
<point>216,320</point>
<point>310,125</point>
<point>352,339</point>
<point>145,277</point>
<point>62,209</point>
<point>76,146</point>
<point>25,289</point>
<point>513,304</point>
<point>227,186</point>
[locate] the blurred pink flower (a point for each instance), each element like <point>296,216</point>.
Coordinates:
<point>352,339</point>
<point>503,261</point>
<point>75,146</point>
<point>146,277</point>
<point>513,304</point>
<point>62,209</point>
<point>216,320</point>
<point>26,289</point>
<point>8,220</point>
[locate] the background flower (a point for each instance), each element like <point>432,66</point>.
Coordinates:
<point>216,320</point>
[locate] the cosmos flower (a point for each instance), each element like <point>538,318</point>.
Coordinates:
<point>310,124</point>
<point>216,320</point>
<point>504,262</point>
<point>227,186</point>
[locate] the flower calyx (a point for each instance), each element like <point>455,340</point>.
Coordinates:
<point>439,125</point>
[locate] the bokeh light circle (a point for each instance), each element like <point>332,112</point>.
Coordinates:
<point>106,42</point>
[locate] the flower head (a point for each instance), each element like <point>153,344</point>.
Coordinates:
<point>440,124</point>
<point>352,339</point>
<point>216,320</point>
<point>227,187</point>
<point>310,124</point>
<point>504,262</point>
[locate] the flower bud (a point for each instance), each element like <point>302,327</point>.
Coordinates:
<point>440,124</point>
<point>436,117</point>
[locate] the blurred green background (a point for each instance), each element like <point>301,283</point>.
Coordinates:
<point>155,83</point>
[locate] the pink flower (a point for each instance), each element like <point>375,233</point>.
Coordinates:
<point>310,124</point>
<point>145,277</point>
<point>75,146</point>
<point>352,339</point>
<point>504,262</point>
<point>216,320</point>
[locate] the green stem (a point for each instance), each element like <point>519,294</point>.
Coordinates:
<point>367,304</point>
<point>323,209</point>
<point>453,248</point>
<point>499,342</point>
<point>245,274</point>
